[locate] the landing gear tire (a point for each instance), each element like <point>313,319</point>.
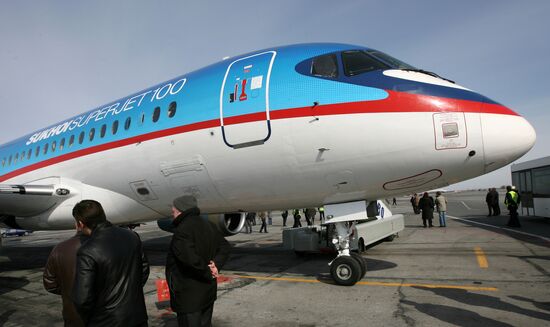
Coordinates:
<point>362,263</point>
<point>345,270</point>
<point>361,246</point>
<point>390,238</point>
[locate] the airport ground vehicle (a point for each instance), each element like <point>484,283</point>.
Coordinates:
<point>532,179</point>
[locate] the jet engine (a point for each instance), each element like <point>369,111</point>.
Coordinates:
<point>228,223</point>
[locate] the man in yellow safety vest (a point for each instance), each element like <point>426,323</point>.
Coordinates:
<point>512,201</point>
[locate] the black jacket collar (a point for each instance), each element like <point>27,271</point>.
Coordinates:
<point>101,226</point>
<point>189,212</point>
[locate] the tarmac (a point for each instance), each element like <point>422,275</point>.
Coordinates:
<point>474,272</point>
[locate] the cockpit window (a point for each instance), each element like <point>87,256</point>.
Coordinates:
<point>357,62</point>
<point>395,63</point>
<point>325,66</point>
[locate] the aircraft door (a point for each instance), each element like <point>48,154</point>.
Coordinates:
<point>244,101</point>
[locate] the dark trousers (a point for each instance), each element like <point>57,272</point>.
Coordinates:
<point>264,226</point>
<point>514,219</point>
<point>284,220</point>
<point>490,206</point>
<point>196,319</point>
<point>297,222</point>
<point>496,209</point>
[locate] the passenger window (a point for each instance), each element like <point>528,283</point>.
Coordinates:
<point>3,162</point>
<point>172,109</point>
<point>81,137</point>
<point>16,157</point>
<point>103,130</point>
<point>22,155</point>
<point>71,141</point>
<point>37,152</point>
<point>127,123</point>
<point>46,147</point>
<point>325,66</point>
<point>114,128</point>
<point>142,118</point>
<point>358,62</point>
<point>62,144</point>
<point>54,144</point>
<point>29,154</point>
<point>92,134</point>
<point>156,114</point>
<point>9,160</point>
<point>450,130</point>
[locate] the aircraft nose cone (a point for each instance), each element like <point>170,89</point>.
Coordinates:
<point>505,139</point>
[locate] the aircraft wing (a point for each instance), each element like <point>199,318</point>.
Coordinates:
<point>27,200</point>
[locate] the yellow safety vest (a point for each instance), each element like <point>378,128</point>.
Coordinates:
<point>514,197</point>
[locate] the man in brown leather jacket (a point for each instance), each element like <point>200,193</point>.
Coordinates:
<point>59,276</point>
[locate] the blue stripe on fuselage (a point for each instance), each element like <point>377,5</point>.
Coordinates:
<point>377,79</point>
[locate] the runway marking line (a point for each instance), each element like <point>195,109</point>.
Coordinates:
<point>303,280</point>
<point>481,258</point>
<point>465,205</point>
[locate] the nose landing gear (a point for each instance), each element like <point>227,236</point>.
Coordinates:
<point>347,268</point>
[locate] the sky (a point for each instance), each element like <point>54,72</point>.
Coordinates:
<point>62,58</point>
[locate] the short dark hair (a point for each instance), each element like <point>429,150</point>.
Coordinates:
<point>90,213</point>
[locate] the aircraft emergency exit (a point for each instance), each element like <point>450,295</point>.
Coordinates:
<point>289,127</point>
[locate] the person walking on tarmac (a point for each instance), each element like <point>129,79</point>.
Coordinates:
<point>248,222</point>
<point>263,217</point>
<point>322,214</point>
<point>285,216</point>
<point>496,206</point>
<point>489,199</point>
<point>310,216</point>
<point>297,217</point>
<point>512,201</point>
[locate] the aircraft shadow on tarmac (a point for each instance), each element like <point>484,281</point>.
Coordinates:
<point>8,284</point>
<point>4,317</point>
<point>21,258</point>
<point>483,300</point>
<point>452,315</point>
<point>265,259</point>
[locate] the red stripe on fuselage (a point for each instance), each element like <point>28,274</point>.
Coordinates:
<point>398,102</point>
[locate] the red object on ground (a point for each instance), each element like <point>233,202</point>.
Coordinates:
<point>163,293</point>
<point>224,279</point>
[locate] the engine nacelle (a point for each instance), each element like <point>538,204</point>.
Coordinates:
<point>228,223</point>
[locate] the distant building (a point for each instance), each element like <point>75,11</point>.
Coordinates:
<point>532,179</point>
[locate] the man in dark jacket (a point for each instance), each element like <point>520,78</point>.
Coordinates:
<point>111,270</point>
<point>426,204</point>
<point>59,274</point>
<point>489,199</point>
<point>197,251</point>
<point>496,205</point>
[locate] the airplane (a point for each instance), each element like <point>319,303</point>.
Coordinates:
<point>287,127</point>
